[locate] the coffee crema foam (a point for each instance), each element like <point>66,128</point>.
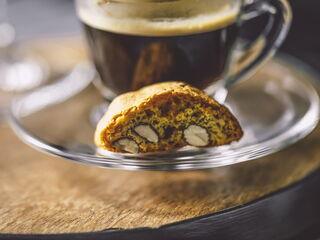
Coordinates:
<point>170,18</point>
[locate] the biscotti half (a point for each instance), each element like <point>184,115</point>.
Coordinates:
<point>163,117</point>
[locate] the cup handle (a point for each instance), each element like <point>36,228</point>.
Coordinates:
<point>249,56</point>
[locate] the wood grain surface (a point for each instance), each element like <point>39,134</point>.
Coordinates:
<point>44,194</point>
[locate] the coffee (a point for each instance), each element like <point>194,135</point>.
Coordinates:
<point>131,51</point>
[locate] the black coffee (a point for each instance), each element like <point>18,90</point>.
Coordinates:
<point>128,62</point>
<point>135,43</point>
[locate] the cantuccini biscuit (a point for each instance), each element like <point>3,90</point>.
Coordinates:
<point>163,117</point>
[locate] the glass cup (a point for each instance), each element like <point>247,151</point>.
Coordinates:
<point>135,43</point>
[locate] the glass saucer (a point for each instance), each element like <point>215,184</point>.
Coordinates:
<point>276,107</point>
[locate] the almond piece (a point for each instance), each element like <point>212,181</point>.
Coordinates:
<point>127,145</point>
<point>147,132</point>
<point>196,136</point>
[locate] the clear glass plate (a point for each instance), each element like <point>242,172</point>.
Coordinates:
<point>276,107</point>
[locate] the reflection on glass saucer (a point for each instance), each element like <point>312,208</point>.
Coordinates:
<point>276,107</point>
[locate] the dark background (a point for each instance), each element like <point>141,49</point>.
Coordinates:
<point>304,37</point>
<point>34,18</point>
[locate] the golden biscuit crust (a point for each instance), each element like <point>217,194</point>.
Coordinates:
<point>165,116</point>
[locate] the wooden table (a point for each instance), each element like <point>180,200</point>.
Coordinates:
<point>43,194</point>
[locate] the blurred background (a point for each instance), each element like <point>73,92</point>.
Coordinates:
<point>39,18</point>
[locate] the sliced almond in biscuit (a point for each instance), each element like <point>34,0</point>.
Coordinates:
<point>196,136</point>
<point>147,132</point>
